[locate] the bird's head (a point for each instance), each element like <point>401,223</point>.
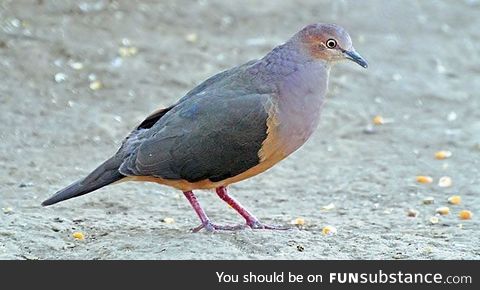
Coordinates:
<point>329,42</point>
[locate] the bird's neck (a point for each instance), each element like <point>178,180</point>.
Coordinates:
<point>299,84</point>
<point>288,64</point>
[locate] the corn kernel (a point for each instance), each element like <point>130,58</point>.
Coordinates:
<point>465,214</point>
<point>168,220</point>
<point>378,120</point>
<point>445,181</point>
<point>191,37</point>
<point>298,221</point>
<point>443,154</point>
<point>127,51</point>
<point>329,206</point>
<point>444,210</point>
<point>329,230</point>
<point>454,199</point>
<point>78,236</point>
<point>434,220</point>
<point>424,179</point>
<point>96,85</point>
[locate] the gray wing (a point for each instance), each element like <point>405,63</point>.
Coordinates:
<point>213,135</point>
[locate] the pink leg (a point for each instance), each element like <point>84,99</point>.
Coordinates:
<point>206,223</point>
<point>251,220</point>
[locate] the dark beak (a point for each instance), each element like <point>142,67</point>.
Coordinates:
<point>355,57</point>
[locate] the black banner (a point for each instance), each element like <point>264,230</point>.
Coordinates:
<point>241,274</point>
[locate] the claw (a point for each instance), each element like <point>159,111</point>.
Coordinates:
<point>254,225</point>
<point>211,227</point>
<point>257,225</point>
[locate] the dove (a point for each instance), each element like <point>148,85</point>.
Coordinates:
<point>233,126</point>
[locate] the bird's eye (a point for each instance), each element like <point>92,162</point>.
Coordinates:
<point>331,43</point>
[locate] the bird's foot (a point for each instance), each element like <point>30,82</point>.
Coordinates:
<point>257,225</point>
<point>253,224</point>
<point>211,227</point>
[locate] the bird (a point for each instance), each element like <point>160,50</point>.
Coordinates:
<point>233,126</point>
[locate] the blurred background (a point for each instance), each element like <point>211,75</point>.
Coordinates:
<point>77,76</point>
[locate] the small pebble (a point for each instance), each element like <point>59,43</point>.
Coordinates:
<point>444,210</point>
<point>69,246</point>
<point>60,77</point>
<point>396,77</point>
<point>58,220</point>
<point>300,248</point>
<point>369,129</point>
<point>445,181</point>
<point>30,257</point>
<point>428,200</point>
<point>24,185</point>
<point>412,213</point>
<point>455,199</point>
<point>424,179</point>
<point>329,230</point>
<point>7,210</point>
<point>452,116</point>
<point>465,214</point>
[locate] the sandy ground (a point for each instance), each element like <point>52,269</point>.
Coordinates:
<point>423,78</point>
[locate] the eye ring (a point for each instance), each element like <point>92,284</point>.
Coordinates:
<point>331,43</point>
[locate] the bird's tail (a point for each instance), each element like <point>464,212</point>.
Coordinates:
<point>105,174</point>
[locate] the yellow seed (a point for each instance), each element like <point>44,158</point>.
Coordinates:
<point>329,230</point>
<point>329,206</point>
<point>445,181</point>
<point>378,120</point>
<point>434,220</point>
<point>191,37</point>
<point>443,154</point>
<point>465,214</point>
<point>444,210</point>
<point>424,179</point>
<point>127,51</point>
<point>298,221</point>
<point>454,199</point>
<point>428,250</point>
<point>96,85</point>
<point>168,220</point>
<point>78,236</point>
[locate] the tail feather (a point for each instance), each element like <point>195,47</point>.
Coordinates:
<point>105,174</point>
